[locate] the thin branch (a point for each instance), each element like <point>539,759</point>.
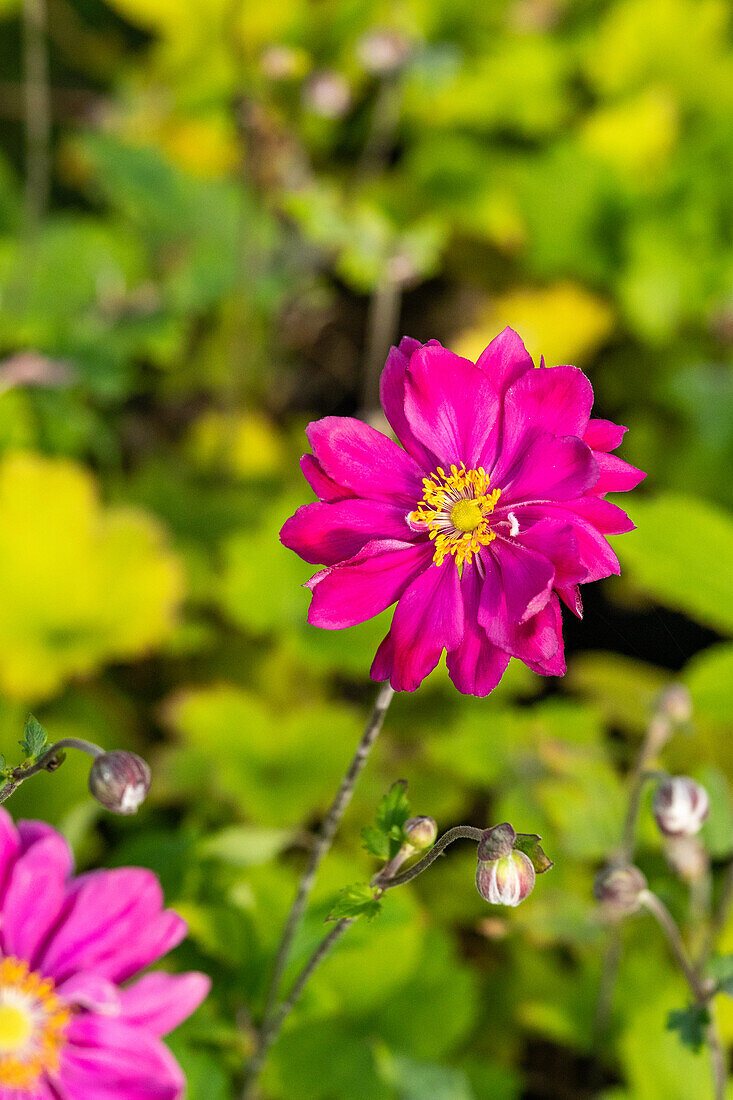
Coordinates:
<point>51,759</point>
<point>460,831</point>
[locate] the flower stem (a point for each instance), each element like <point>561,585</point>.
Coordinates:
<point>701,989</point>
<point>51,759</point>
<point>322,843</point>
<point>383,881</point>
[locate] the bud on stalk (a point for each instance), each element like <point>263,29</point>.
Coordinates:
<point>507,880</point>
<point>119,781</point>
<point>680,806</point>
<point>420,832</point>
<point>619,889</point>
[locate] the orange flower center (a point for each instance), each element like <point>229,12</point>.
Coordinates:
<point>455,511</point>
<point>32,1025</point>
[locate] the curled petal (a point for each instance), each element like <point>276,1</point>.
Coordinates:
<point>366,584</point>
<point>604,435</point>
<point>323,486</point>
<point>615,475</point>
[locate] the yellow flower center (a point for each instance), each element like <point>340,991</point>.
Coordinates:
<point>32,1025</point>
<point>455,511</point>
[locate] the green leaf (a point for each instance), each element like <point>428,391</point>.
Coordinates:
<point>720,969</point>
<point>393,809</point>
<point>355,901</point>
<point>683,572</point>
<point>376,842</point>
<point>690,1023</point>
<point>529,843</point>
<point>422,1081</point>
<point>245,845</point>
<point>34,738</point>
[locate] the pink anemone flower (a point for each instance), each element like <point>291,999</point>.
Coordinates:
<point>72,1025</point>
<point>491,512</point>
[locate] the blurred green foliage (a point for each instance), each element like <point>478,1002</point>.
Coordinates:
<point>234,186</point>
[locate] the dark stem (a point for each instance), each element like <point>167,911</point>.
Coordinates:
<point>37,111</point>
<point>702,990</point>
<point>321,845</point>
<point>51,759</point>
<point>460,831</point>
<point>384,315</point>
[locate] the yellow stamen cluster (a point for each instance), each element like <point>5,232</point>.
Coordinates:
<point>32,1025</point>
<point>455,508</point>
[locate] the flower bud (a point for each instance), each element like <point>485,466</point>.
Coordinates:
<point>421,832</point>
<point>327,94</point>
<point>505,881</point>
<point>680,806</point>
<point>119,781</point>
<point>619,888</point>
<point>382,52</point>
<point>496,842</point>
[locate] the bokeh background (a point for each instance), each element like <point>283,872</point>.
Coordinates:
<point>214,218</point>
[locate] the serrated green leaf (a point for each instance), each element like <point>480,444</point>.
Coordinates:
<point>690,1023</point>
<point>375,842</point>
<point>355,901</point>
<point>34,738</point>
<point>529,843</point>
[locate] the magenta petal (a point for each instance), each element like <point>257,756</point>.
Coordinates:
<point>594,552</point>
<point>555,399</point>
<point>505,359</point>
<point>554,665</point>
<point>324,487</point>
<point>35,895</point>
<point>604,435</point>
<point>106,1059</point>
<point>365,461</point>
<point>30,832</point>
<point>526,578</point>
<point>383,662</point>
<point>557,542</point>
<point>451,406</point>
<point>427,620</point>
<point>85,989</point>
<point>369,582</point>
<point>548,468</point>
<point>392,393</point>
<point>475,666</point>
<point>615,475</point>
<point>160,1002</point>
<point>572,598</point>
<point>113,925</point>
<point>535,640</point>
<point>9,846</point>
<point>325,534</point>
<point>607,517</point>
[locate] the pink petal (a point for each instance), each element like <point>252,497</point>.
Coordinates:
<point>526,578</point>
<point>451,406</point>
<point>505,359</point>
<point>557,542</point>
<point>392,393</point>
<point>594,553</point>
<point>369,582</point>
<point>555,399</point>
<point>30,832</point>
<point>160,1002</point>
<point>535,640</point>
<point>35,895</point>
<point>324,487</point>
<point>607,517</point>
<point>106,1059</point>
<point>547,468</point>
<point>572,599</point>
<point>555,665</point>
<point>85,989</point>
<point>325,534</point>
<point>427,619</point>
<point>114,925</point>
<point>616,476</point>
<point>604,435</point>
<point>9,846</point>
<point>475,666</point>
<point>365,461</point>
